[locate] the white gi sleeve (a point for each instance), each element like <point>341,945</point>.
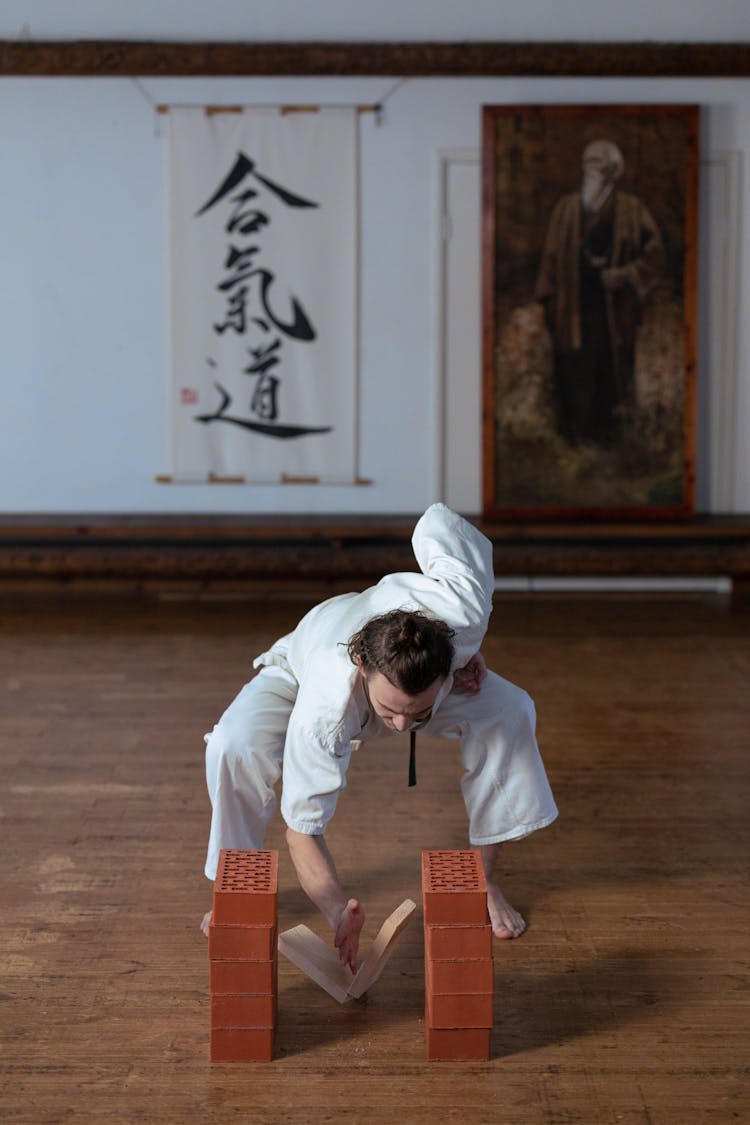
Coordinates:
<point>458,558</point>
<point>316,759</point>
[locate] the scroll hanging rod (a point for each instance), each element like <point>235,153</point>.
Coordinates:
<point>212,110</point>
<point>283,478</point>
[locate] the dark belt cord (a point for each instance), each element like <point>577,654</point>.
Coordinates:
<point>412,757</point>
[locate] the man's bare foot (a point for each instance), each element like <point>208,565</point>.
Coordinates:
<point>506,922</point>
<point>205,923</point>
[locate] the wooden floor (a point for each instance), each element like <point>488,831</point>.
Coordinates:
<point>625,1002</point>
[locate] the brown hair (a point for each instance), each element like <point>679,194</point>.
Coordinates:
<point>409,648</point>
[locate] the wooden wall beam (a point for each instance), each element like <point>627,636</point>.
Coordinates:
<point>332,549</point>
<point>127,58</point>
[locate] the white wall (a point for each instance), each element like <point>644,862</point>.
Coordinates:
<point>340,20</point>
<point>83,283</point>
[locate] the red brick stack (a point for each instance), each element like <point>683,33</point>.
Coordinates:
<point>459,971</point>
<point>243,961</point>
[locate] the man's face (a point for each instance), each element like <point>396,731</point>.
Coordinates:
<point>398,710</point>
<point>597,162</point>
<point>600,163</point>
<point>598,173</point>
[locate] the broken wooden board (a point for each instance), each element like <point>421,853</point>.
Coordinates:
<point>321,961</point>
<point>372,967</point>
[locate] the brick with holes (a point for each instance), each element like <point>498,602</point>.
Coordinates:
<point>243,1011</point>
<point>242,1044</point>
<point>246,888</point>
<point>454,888</point>
<point>456,975</point>
<point>243,960</point>
<point>442,943</point>
<point>465,1009</point>
<point>242,976</point>
<point>241,943</point>
<point>458,1044</point>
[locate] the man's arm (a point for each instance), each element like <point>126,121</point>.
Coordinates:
<point>457,558</point>
<point>506,922</point>
<point>316,872</point>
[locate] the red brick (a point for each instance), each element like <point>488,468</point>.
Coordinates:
<point>455,976</point>
<point>458,1043</point>
<point>454,889</point>
<point>257,977</point>
<point>243,1011</point>
<point>241,943</point>
<point>246,888</point>
<point>241,1044</point>
<point>468,1009</point>
<point>446,942</point>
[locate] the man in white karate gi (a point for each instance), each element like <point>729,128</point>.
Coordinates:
<point>402,655</point>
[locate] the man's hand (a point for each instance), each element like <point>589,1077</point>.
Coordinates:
<point>468,680</point>
<point>317,875</point>
<point>348,930</point>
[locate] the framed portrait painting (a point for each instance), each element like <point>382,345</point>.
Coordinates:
<point>589,234</point>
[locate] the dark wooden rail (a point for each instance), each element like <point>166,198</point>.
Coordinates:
<point>351,549</point>
<point>122,58</point>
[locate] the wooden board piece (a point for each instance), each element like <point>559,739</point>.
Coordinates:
<point>321,962</point>
<point>383,946</point>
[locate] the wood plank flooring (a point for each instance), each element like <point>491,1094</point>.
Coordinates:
<point>625,1002</point>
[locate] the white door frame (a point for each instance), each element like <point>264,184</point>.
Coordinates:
<point>445,159</point>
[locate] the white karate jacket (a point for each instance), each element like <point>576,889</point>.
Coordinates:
<point>455,584</point>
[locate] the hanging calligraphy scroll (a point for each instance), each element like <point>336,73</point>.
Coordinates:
<point>264,294</point>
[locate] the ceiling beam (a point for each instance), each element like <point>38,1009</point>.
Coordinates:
<point>128,58</point>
